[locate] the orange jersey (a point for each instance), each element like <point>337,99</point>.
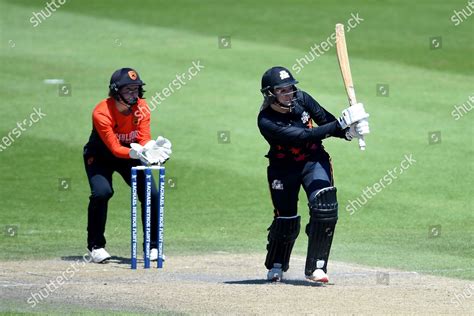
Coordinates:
<point>116,130</point>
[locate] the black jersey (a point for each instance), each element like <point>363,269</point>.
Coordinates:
<point>291,136</point>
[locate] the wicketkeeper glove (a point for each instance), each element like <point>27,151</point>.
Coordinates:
<point>162,144</point>
<point>138,151</point>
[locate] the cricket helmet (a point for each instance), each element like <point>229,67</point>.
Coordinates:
<point>122,77</point>
<point>277,77</point>
<point>274,78</point>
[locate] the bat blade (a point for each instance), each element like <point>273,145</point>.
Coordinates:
<point>344,65</point>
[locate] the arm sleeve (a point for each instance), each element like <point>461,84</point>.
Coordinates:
<point>321,116</point>
<point>144,133</point>
<point>103,124</point>
<point>290,135</point>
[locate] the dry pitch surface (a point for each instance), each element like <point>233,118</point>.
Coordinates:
<point>223,283</point>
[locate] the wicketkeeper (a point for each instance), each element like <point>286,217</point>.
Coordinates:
<point>297,158</point>
<point>120,140</point>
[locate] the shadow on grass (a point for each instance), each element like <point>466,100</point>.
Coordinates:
<point>113,259</point>
<point>265,282</point>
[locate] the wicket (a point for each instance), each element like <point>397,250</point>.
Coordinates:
<point>160,216</point>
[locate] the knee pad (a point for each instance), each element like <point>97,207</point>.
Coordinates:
<point>323,210</point>
<point>323,205</point>
<point>282,235</point>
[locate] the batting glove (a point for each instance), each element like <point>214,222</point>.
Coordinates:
<point>352,115</point>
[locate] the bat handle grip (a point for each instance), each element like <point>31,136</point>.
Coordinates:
<point>362,143</point>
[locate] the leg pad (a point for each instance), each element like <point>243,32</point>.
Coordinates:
<point>320,229</point>
<point>281,238</point>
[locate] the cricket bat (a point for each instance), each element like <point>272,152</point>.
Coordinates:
<point>343,59</point>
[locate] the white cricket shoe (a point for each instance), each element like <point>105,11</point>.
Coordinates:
<point>318,276</point>
<point>154,255</point>
<point>275,274</point>
<point>99,255</point>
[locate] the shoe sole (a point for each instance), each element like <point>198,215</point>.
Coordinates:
<point>103,261</point>
<point>323,280</point>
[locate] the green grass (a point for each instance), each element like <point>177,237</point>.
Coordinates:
<point>221,201</point>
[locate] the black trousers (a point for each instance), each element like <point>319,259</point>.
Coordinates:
<point>99,172</point>
<point>285,182</point>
